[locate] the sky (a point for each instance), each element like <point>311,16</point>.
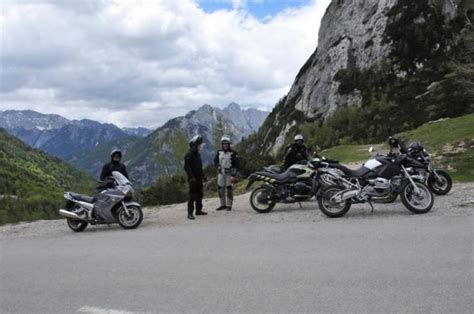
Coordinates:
<point>143,62</point>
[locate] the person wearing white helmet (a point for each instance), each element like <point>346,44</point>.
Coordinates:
<point>196,177</point>
<point>295,152</point>
<point>227,163</point>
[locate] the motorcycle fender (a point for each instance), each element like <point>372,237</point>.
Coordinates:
<point>252,179</point>
<point>133,204</point>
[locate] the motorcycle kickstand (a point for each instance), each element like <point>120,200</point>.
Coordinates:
<point>371,207</point>
<point>301,206</point>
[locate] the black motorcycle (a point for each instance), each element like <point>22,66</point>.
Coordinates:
<point>379,177</point>
<point>113,204</point>
<point>439,181</point>
<point>298,183</point>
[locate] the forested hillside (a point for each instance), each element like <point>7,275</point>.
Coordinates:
<point>32,183</point>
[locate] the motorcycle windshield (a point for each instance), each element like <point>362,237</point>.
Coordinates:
<point>120,178</point>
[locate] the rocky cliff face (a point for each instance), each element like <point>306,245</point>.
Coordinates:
<point>353,37</point>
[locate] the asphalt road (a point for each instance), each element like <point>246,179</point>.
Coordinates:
<point>371,263</point>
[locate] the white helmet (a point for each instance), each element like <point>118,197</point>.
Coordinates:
<point>299,137</point>
<point>225,140</point>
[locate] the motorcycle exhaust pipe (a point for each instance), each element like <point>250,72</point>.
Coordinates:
<point>69,214</point>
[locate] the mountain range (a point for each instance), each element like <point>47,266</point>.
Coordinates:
<point>162,151</point>
<point>148,154</point>
<point>59,136</point>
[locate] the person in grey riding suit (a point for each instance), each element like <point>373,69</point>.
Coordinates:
<point>227,164</point>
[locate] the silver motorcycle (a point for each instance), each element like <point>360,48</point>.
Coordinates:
<point>379,177</point>
<point>114,204</point>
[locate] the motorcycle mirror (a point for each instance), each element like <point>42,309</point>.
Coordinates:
<point>371,149</point>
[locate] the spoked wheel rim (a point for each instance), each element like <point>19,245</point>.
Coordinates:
<point>440,183</point>
<point>261,199</point>
<point>74,223</point>
<point>331,206</point>
<point>132,218</point>
<point>420,200</point>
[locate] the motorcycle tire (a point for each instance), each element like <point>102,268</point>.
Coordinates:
<point>131,221</point>
<point>76,225</point>
<point>434,184</point>
<point>411,201</point>
<point>256,205</point>
<point>324,198</point>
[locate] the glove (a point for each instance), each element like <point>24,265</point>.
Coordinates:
<point>233,179</point>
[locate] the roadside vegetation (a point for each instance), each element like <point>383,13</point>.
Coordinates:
<point>32,183</point>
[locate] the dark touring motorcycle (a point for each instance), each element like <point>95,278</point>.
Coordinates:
<point>110,206</point>
<point>298,183</point>
<point>379,177</point>
<point>437,180</point>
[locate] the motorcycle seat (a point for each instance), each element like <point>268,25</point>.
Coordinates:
<point>362,171</point>
<point>82,198</point>
<point>279,177</point>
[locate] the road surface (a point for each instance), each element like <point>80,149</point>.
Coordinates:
<point>291,260</point>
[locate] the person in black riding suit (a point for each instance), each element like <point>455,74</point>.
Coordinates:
<point>296,152</point>
<point>196,177</point>
<point>114,165</point>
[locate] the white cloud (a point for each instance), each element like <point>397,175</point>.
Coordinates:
<point>142,62</point>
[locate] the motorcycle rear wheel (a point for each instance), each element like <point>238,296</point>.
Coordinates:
<point>330,209</point>
<point>441,186</point>
<point>420,203</point>
<point>76,225</point>
<point>259,206</point>
<point>131,221</point>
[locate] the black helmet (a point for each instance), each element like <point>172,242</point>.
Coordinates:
<point>115,151</point>
<point>393,141</point>
<point>415,147</point>
<point>196,140</point>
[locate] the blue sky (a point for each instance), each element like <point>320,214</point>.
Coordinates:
<point>259,8</point>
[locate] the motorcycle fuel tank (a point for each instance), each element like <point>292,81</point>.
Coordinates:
<point>372,164</point>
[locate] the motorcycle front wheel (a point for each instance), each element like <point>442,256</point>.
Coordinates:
<point>329,208</point>
<point>260,200</point>
<point>441,184</point>
<point>419,202</point>
<point>131,220</point>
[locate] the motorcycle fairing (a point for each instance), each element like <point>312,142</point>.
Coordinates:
<point>106,201</point>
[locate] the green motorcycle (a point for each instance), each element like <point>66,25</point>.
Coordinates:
<point>298,183</point>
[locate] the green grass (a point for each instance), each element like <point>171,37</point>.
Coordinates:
<point>450,141</point>
<point>351,153</point>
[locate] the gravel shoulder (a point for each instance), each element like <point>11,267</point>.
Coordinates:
<point>459,202</point>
